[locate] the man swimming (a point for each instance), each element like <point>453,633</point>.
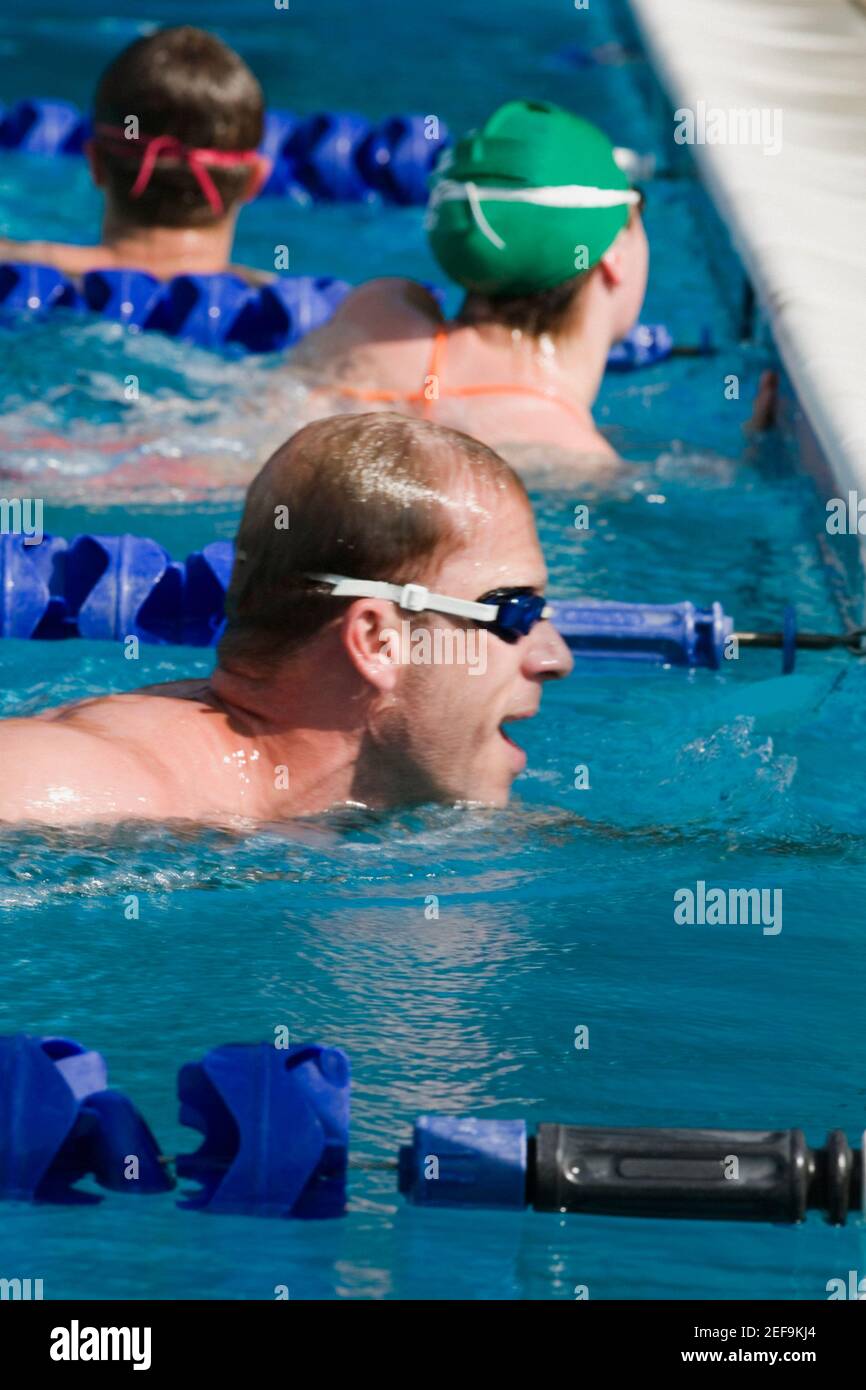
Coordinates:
<point>356,525</point>
<point>533,217</point>
<point>178,119</point>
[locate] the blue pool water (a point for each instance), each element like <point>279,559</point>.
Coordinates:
<point>555,912</point>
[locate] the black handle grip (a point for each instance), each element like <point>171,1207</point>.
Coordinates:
<point>741,1175</point>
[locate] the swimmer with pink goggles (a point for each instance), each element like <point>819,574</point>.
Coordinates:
<point>153,149</point>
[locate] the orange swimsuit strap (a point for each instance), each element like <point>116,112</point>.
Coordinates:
<point>434,369</point>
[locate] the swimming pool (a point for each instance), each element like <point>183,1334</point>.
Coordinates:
<point>545,923</point>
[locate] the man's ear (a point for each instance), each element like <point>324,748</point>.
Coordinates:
<point>93,155</point>
<point>371,636</point>
<point>260,172</point>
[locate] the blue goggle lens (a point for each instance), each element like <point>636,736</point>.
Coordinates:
<point>519,611</point>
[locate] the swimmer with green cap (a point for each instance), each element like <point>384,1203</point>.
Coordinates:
<point>534,218</point>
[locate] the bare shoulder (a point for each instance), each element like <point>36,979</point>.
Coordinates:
<point>380,311</point>
<point>61,774</point>
<point>103,758</point>
<point>393,297</point>
<point>71,259</point>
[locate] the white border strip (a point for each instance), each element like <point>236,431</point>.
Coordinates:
<point>797,218</point>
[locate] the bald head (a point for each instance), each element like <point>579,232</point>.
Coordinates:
<point>375,496</point>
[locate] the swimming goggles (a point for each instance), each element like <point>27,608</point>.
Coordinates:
<point>510,613</point>
<point>153,149</point>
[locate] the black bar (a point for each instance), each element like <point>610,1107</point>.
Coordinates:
<point>240,1339</point>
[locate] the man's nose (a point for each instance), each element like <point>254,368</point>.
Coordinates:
<point>546,654</point>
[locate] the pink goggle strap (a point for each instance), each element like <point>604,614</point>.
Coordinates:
<point>156,147</point>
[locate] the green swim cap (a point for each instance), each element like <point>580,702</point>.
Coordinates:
<point>514,204</point>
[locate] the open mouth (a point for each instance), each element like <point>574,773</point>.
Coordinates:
<point>514,719</point>
<point>516,755</point>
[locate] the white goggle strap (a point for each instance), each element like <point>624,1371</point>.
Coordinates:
<point>415,598</point>
<point>481,222</point>
<point>569,195</point>
<point>566,195</point>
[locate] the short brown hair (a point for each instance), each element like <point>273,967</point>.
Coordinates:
<point>186,83</point>
<point>545,311</point>
<point>368,496</point>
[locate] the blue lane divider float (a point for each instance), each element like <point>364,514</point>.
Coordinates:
<point>224,311</point>
<point>59,1122</point>
<point>477,1162</point>
<point>109,587</point>
<point>678,633</point>
<point>645,345</point>
<point>212,311</point>
<point>275,1126</point>
<point>37,126</point>
<point>276,1143</point>
<point>113,587</point>
<point>326,156</point>
<point>606,55</point>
